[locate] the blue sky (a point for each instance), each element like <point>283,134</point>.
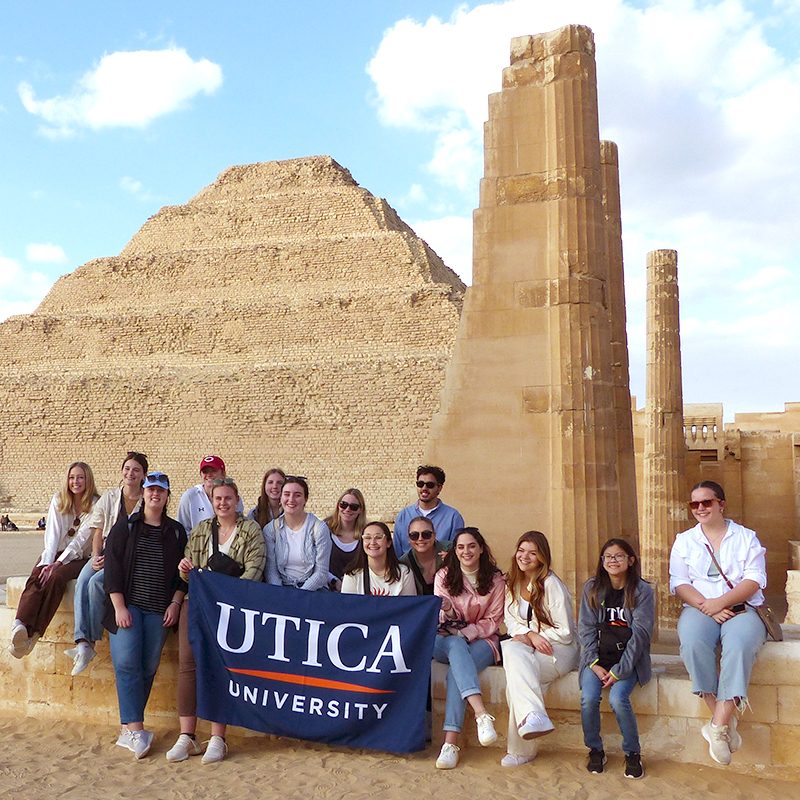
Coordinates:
<point>109,111</point>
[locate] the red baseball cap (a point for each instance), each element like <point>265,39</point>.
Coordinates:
<point>212,462</point>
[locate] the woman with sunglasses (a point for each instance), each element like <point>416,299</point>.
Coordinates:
<point>144,599</point>
<point>345,524</point>
<point>718,570</point>
<point>226,543</point>
<point>90,593</point>
<point>269,505</point>
<point>472,589</point>
<point>59,563</point>
<point>426,555</point>
<point>375,570</point>
<point>298,543</point>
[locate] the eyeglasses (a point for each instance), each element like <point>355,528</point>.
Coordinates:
<point>377,538</point>
<point>352,506</point>
<point>224,482</point>
<point>695,504</point>
<point>75,525</point>
<point>414,535</point>
<point>618,559</point>
<point>426,484</point>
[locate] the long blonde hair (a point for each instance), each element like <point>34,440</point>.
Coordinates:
<point>516,577</point>
<point>66,499</point>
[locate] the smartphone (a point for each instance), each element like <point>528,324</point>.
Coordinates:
<point>739,608</point>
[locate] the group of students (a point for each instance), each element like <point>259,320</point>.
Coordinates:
<point>133,563</point>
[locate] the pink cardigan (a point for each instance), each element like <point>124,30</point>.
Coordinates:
<point>484,613</point>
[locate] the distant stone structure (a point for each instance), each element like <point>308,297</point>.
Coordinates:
<point>528,423</point>
<point>283,316</point>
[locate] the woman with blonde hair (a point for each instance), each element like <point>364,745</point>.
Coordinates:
<point>543,644</point>
<point>346,525</point>
<point>58,564</point>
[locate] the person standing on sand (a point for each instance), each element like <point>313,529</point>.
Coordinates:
<point>58,564</point>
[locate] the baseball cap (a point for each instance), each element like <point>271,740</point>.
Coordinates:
<point>214,462</point>
<point>156,479</point>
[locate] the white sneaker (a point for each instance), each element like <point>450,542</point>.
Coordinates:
<point>82,657</point>
<point>719,746</point>
<point>141,743</point>
<point>126,740</point>
<point>536,725</point>
<point>734,738</point>
<point>448,756</point>
<point>510,760</point>
<point>486,733</point>
<point>20,645</point>
<point>216,750</point>
<point>185,746</point>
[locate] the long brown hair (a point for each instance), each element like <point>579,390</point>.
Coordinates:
<point>516,577</point>
<point>334,522</point>
<point>487,567</point>
<point>602,581</point>
<point>361,559</point>
<point>66,499</point>
<point>263,510</point>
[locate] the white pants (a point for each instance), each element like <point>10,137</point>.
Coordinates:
<point>528,674</point>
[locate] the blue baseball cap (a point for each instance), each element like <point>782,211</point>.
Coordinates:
<point>156,479</point>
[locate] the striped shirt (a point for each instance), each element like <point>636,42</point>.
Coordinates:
<point>148,590</point>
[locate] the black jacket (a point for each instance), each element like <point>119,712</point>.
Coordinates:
<point>120,550</point>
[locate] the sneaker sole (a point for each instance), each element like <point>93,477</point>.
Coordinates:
<point>528,735</point>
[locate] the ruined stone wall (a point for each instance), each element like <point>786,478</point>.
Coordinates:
<point>284,316</point>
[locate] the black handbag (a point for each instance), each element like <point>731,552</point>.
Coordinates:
<point>221,562</point>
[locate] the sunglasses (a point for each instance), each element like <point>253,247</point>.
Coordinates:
<point>352,506</point>
<point>426,484</point>
<point>414,535</point>
<point>695,504</point>
<point>75,525</point>
<point>291,478</point>
<point>224,482</point>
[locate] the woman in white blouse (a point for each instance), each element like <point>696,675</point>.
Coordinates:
<point>376,569</point>
<point>543,644</point>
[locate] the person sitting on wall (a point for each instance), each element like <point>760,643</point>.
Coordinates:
<point>446,520</point>
<point>196,505</point>
<point>298,543</point>
<point>69,510</point>
<point>426,555</point>
<point>90,593</point>
<point>346,525</point>
<point>269,505</point>
<point>41,524</point>
<point>375,569</point>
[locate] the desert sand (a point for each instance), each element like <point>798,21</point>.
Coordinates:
<point>42,759</point>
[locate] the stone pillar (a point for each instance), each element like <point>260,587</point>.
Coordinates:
<point>525,430</point>
<point>620,374</point>
<point>664,497</point>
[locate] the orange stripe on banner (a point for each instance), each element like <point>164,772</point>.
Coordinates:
<point>321,683</point>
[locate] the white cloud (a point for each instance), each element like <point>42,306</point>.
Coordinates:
<point>451,238</point>
<point>46,254</point>
<point>126,89</point>
<point>703,99</point>
<point>21,290</point>
<point>131,185</point>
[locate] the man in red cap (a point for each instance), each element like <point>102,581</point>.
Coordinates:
<point>195,505</point>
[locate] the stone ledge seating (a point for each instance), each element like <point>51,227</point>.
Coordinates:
<point>669,716</point>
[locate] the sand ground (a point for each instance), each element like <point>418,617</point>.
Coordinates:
<point>40,759</point>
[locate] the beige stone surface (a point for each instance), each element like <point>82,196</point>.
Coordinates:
<point>283,316</point>
<point>529,395</point>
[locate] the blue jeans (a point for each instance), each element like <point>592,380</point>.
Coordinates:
<point>135,653</point>
<point>90,604</point>
<point>466,660</point>
<point>619,695</point>
<point>740,639</point>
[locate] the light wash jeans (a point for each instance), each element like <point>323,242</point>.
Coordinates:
<point>740,638</point>
<point>90,604</point>
<point>466,660</point>
<point>619,695</point>
<point>135,653</point>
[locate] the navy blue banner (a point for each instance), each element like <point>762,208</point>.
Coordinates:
<point>341,669</point>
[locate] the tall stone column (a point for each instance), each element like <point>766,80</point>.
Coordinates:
<point>620,373</point>
<point>525,431</point>
<point>664,468</point>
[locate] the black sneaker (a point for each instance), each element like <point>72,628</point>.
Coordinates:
<point>633,765</point>
<point>597,758</point>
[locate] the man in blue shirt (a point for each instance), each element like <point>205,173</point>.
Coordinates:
<point>446,520</point>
